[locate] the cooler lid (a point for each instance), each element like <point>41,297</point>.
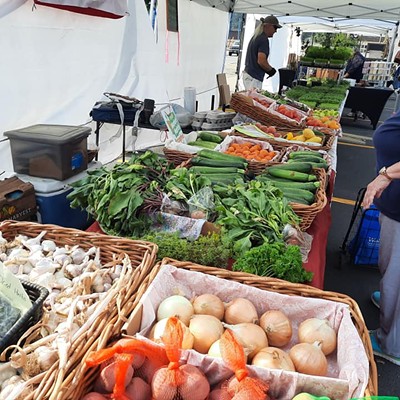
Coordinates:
<point>51,134</point>
<point>47,185</point>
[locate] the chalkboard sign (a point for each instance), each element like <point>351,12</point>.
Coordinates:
<point>172,15</point>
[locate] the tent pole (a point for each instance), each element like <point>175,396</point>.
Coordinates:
<point>393,42</point>
<point>239,61</point>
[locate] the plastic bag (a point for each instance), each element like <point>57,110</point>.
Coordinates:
<point>173,207</point>
<point>293,236</point>
<point>201,204</point>
<point>184,117</point>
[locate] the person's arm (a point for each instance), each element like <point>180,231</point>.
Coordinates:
<point>264,64</point>
<point>380,183</point>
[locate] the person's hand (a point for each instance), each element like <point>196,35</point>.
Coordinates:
<point>271,72</point>
<point>374,190</point>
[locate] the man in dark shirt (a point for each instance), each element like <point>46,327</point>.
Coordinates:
<point>355,66</point>
<point>256,64</point>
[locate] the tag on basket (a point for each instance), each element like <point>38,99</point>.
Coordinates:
<point>172,123</point>
<point>12,290</point>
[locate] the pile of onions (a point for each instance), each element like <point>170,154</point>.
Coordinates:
<point>251,336</point>
<point>277,326</point>
<point>206,330</point>
<point>175,306</point>
<point>158,329</point>
<point>318,330</point>
<point>240,310</point>
<point>274,358</point>
<point>309,359</point>
<point>209,304</point>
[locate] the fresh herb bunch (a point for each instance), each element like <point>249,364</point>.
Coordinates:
<point>252,214</point>
<point>121,198</point>
<point>210,249</point>
<point>276,260</point>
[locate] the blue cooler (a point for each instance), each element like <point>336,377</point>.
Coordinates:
<point>52,202</point>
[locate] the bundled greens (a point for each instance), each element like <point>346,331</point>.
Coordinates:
<point>252,214</point>
<point>122,197</point>
<point>275,260</point>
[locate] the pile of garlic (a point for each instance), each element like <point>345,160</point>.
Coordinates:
<point>80,290</point>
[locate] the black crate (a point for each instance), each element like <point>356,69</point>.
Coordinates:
<point>38,295</point>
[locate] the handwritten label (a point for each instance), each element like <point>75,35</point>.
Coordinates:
<point>172,123</point>
<point>12,290</point>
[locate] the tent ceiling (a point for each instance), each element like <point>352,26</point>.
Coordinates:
<point>388,10</point>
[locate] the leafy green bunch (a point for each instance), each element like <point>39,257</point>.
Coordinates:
<point>252,214</point>
<point>120,198</point>
<point>275,260</point>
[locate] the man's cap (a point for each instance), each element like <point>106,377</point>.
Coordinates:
<point>271,19</point>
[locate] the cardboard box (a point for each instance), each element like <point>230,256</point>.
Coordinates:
<point>17,200</point>
<point>326,73</point>
<point>221,79</point>
<point>224,95</point>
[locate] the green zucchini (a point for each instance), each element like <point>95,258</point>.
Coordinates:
<point>314,164</point>
<point>305,158</point>
<point>296,200</point>
<point>206,162</point>
<point>298,166</point>
<point>210,137</point>
<point>299,194</point>
<point>285,183</point>
<point>216,170</point>
<point>216,155</point>
<point>204,144</point>
<point>295,154</point>
<point>292,175</point>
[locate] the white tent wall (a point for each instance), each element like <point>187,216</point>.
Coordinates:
<point>57,64</point>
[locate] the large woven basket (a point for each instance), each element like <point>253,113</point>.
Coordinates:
<point>176,157</point>
<point>55,384</point>
<point>308,213</point>
<point>244,105</point>
<point>294,289</point>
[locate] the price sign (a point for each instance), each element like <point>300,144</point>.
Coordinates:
<point>172,123</point>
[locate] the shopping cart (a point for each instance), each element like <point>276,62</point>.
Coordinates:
<point>361,241</point>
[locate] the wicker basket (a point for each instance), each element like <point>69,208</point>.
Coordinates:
<point>308,213</point>
<point>56,383</point>
<point>244,105</point>
<point>294,289</point>
<point>176,157</point>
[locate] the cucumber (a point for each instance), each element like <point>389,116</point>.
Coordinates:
<point>285,183</point>
<point>296,200</point>
<point>216,170</point>
<point>304,158</point>
<point>206,162</point>
<point>216,155</point>
<point>314,164</point>
<point>292,175</point>
<point>204,144</point>
<point>295,154</point>
<point>295,166</point>
<point>210,137</point>
<point>299,194</point>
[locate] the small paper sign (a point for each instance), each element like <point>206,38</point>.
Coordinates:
<point>12,290</point>
<point>172,123</point>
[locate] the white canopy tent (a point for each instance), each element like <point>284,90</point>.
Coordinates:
<point>57,64</point>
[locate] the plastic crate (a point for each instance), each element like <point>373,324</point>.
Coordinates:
<point>37,295</point>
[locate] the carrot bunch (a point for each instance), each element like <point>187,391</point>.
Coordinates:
<point>250,151</point>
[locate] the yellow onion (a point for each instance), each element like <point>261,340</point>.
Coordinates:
<point>175,306</point>
<point>158,329</point>
<point>309,359</point>
<point>318,330</point>
<point>274,358</point>
<point>240,310</point>
<point>214,350</point>
<point>206,330</point>
<point>251,336</point>
<point>209,304</point>
<point>277,326</point>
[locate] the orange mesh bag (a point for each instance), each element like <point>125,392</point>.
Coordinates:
<point>121,357</point>
<point>175,381</point>
<point>241,386</point>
